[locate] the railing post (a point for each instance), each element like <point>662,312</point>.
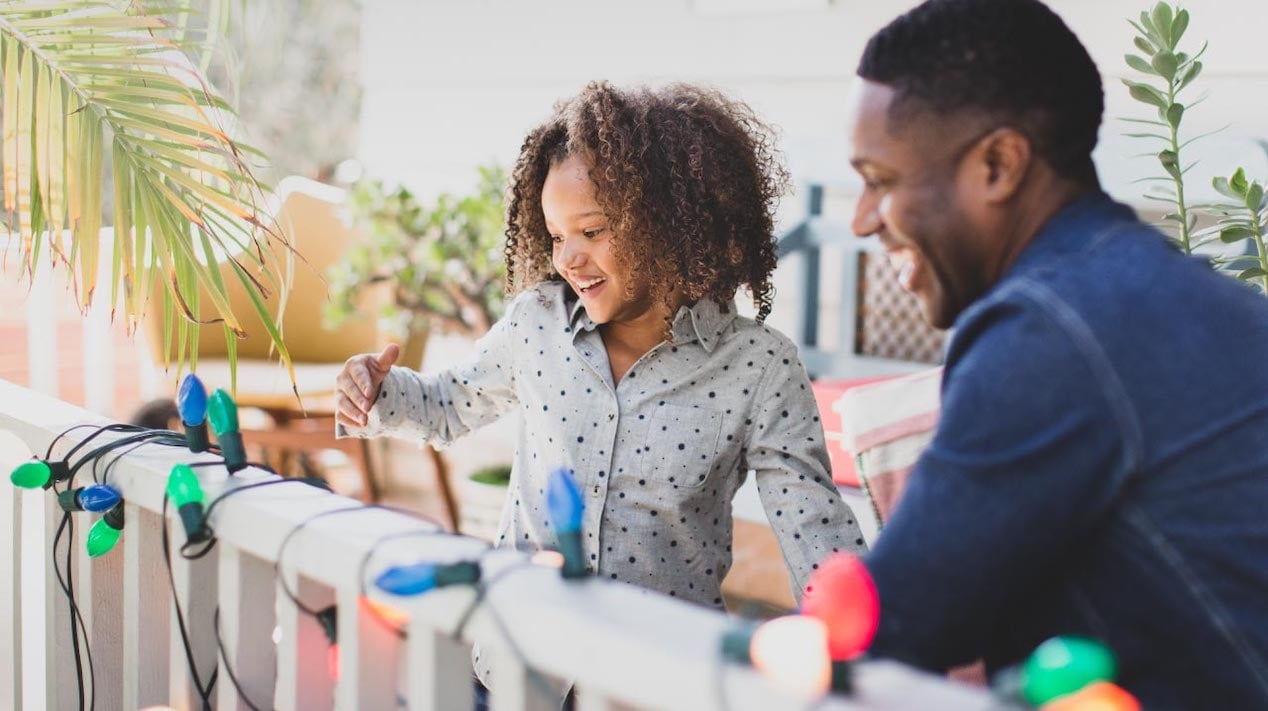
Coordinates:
<point>303,676</point>
<point>196,591</point>
<point>369,657</point>
<point>514,687</point>
<point>247,620</point>
<point>99,595</point>
<point>11,594</point>
<point>146,599</point>
<point>810,271</point>
<point>60,685</point>
<point>41,330</point>
<point>438,671</point>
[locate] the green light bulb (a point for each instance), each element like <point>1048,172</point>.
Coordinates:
<point>1063,665</point>
<point>31,475</point>
<point>183,487</point>
<point>105,533</point>
<point>222,412</point>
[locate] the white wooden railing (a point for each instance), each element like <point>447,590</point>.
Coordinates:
<point>623,647</point>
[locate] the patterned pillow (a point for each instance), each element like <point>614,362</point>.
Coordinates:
<point>887,425</point>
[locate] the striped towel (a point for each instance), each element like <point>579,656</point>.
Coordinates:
<point>887,425</point>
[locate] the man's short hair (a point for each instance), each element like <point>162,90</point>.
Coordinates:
<point>1012,60</point>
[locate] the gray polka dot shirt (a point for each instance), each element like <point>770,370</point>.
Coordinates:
<point>658,457</point>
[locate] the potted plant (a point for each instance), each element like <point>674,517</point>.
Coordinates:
<point>483,493</point>
<point>443,262</point>
<point>444,266</point>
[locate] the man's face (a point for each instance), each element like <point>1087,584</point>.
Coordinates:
<point>917,200</point>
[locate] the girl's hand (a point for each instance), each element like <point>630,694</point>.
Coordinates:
<point>358,383</point>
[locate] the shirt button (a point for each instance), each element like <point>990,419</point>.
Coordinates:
<point>596,491</point>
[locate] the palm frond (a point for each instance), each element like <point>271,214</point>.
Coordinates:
<point>84,78</point>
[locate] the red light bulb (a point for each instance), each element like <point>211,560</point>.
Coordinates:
<point>843,596</point>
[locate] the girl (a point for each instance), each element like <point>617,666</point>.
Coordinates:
<point>635,215</point>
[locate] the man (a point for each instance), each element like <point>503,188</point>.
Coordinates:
<point>1101,466</point>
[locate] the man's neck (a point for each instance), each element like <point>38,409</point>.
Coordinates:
<point>1039,202</point>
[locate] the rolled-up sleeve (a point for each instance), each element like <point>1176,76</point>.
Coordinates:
<point>787,455</point>
<point>442,407</point>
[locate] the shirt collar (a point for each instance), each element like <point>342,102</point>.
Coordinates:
<point>702,321</point>
<point>1070,230</point>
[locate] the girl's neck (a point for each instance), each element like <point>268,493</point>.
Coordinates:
<point>628,340</point>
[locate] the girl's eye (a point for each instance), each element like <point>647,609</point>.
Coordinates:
<point>556,239</point>
<point>591,234</point>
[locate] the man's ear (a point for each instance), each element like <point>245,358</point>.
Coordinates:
<point>1000,162</point>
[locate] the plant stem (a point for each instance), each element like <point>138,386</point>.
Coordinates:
<point>1182,210</point>
<point>1259,245</point>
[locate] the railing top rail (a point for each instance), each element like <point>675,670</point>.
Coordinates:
<point>629,644</point>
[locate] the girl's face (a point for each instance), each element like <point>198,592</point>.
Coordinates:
<point>583,251</point>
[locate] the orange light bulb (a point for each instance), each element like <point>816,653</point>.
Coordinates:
<point>1100,696</point>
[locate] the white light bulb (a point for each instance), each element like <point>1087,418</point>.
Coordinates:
<point>793,651</point>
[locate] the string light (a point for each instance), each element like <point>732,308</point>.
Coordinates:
<point>1098,696</point>
<point>186,494</point>
<point>328,618</point>
<point>39,474</point>
<point>105,533</point>
<point>565,507</point>
<point>791,650</point>
<point>418,578</point>
<point>1064,665</point>
<point>223,413</point>
<point>97,498</point>
<point>191,402</point>
<point>842,595</point>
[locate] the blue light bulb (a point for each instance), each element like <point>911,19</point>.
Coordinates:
<point>412,579</point>
<point>98,498</point>
<point>191,400</point>
<point>563,501</point>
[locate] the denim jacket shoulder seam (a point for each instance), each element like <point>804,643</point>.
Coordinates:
<point>1081,336</point>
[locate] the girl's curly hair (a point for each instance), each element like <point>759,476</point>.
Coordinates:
<point>687,178</point>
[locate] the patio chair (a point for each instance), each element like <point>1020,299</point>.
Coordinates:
<point>309,215</point>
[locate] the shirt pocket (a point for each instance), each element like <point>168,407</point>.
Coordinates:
<point>682,445</point>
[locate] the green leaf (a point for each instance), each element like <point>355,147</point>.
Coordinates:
<point>1175,112</point>
<point>1229,235</point>
<point>1146,94</point>
<point>1178,26</point>
<point>1145,45</point>
<point>1222,187</point>
<point>1189,75</point>
<point>1254,196</point>
<point>1139,63</point>
<point>1251,273</point>
<point>1161,17</point>
<point>1165,64</point>
<point>1170,163</point>
<point>1238,182</point>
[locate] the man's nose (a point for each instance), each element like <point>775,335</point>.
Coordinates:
<point>867,219</point>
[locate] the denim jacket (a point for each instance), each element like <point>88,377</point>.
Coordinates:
<point>1101,469</point>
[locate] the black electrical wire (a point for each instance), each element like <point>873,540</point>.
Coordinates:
<point>138,435</point>
<point>204,692</point>
<point>237,685</point>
